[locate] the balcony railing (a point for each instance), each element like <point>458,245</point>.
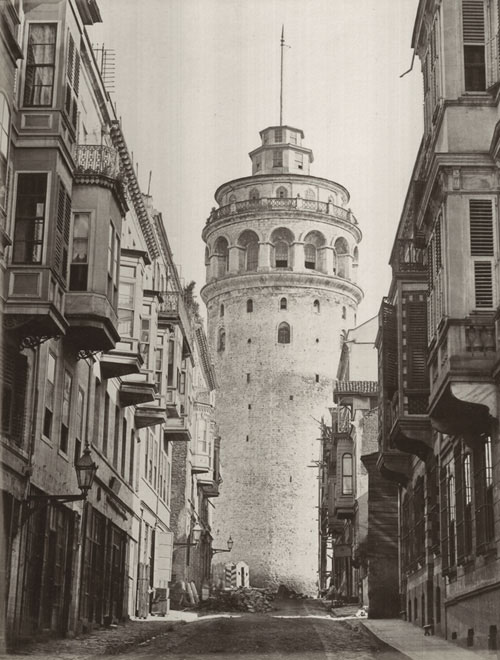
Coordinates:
<point>282,204</point>
<point>97,159</point>
<point>409,258</point>
<point>170,304</point>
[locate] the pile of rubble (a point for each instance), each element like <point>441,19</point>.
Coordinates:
<point>243,599</point>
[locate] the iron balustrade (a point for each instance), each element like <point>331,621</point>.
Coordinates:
<point>282,204</point>
<point>98,159</point>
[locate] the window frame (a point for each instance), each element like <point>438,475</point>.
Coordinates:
<point>52,66</point>
<point>41,218</point>
<point>347,475</point>
<point>284,334</point>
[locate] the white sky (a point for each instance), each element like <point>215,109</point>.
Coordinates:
<point>196,80</point>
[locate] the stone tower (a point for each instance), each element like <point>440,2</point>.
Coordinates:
<point>281,288</point>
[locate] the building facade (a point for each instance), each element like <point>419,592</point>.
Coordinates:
<point>98,345</point>
<point>358,508</point>
<point>281,262</point>
<point>438,334</point>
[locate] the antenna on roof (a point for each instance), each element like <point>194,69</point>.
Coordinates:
<point>283,45</point>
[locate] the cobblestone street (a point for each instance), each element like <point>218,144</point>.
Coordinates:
<point>301,629</point>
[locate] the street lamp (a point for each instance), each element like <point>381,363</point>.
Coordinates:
<point>230,544</point>
<point>195,534</point>
<point>85,469</point>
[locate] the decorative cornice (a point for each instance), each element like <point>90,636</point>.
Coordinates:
<point>271,279</point>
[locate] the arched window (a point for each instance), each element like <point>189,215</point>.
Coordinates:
<point>281,239</point>
<point>222,253</point>
<point>283,333</point>
<point>221,310</point>
<point>252,260</point>
<point>316,306</point>
<point>249,305</point>
<point>310,256</point>
<point>222,340</point>
<point>4,148</point>
<point>207,257</point>
<point>281,255</point>
<point>254,194</point>
<point>232,199</point>
<point>249,255</point>
<point>342,251</point>
<point>347,483</point>
<point>343,312</point>
<point>282,192</point>
<point>310,194</point>
<point>314,241</point>
<point>283,303</point>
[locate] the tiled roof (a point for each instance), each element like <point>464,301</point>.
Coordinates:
<point>365,387</point>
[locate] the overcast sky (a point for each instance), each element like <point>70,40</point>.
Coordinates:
<point>196,80</point>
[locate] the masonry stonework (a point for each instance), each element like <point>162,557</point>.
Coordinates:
<point>276,261</point>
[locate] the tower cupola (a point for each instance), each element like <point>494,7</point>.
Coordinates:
<point>281,152</point>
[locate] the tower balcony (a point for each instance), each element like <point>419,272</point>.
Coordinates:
<point>463,363</point>
<point>287,204</point>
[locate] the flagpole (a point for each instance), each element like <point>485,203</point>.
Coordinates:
<point>281,74</point>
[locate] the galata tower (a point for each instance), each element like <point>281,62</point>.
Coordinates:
<point>281,268</point>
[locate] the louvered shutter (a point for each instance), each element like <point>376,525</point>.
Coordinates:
<point>473,21</point>
<point>483,284</point>
<point>444,518</point>
<point>416,342</point>
<point>481,227</point>
<point>63,225</point>
<point>72,82</point>
<point>473,32</point>
<point>482,244</point>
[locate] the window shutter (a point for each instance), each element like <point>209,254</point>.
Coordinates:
<point>72,82</point>
<point>483,284</point>
<point>460,504</point>
<point>473,21</point>
<point>63,225</point>
<point>444,519</point>
<point>479,496</point>
<point>481,227</point>
<point>416,340</point>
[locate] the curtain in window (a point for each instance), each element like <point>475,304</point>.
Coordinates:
<point>40,60</point>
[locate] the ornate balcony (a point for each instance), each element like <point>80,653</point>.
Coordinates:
<point>270,204</point>
<point>462,363</point>
<point>98,164</point>
<point>409,258</point>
